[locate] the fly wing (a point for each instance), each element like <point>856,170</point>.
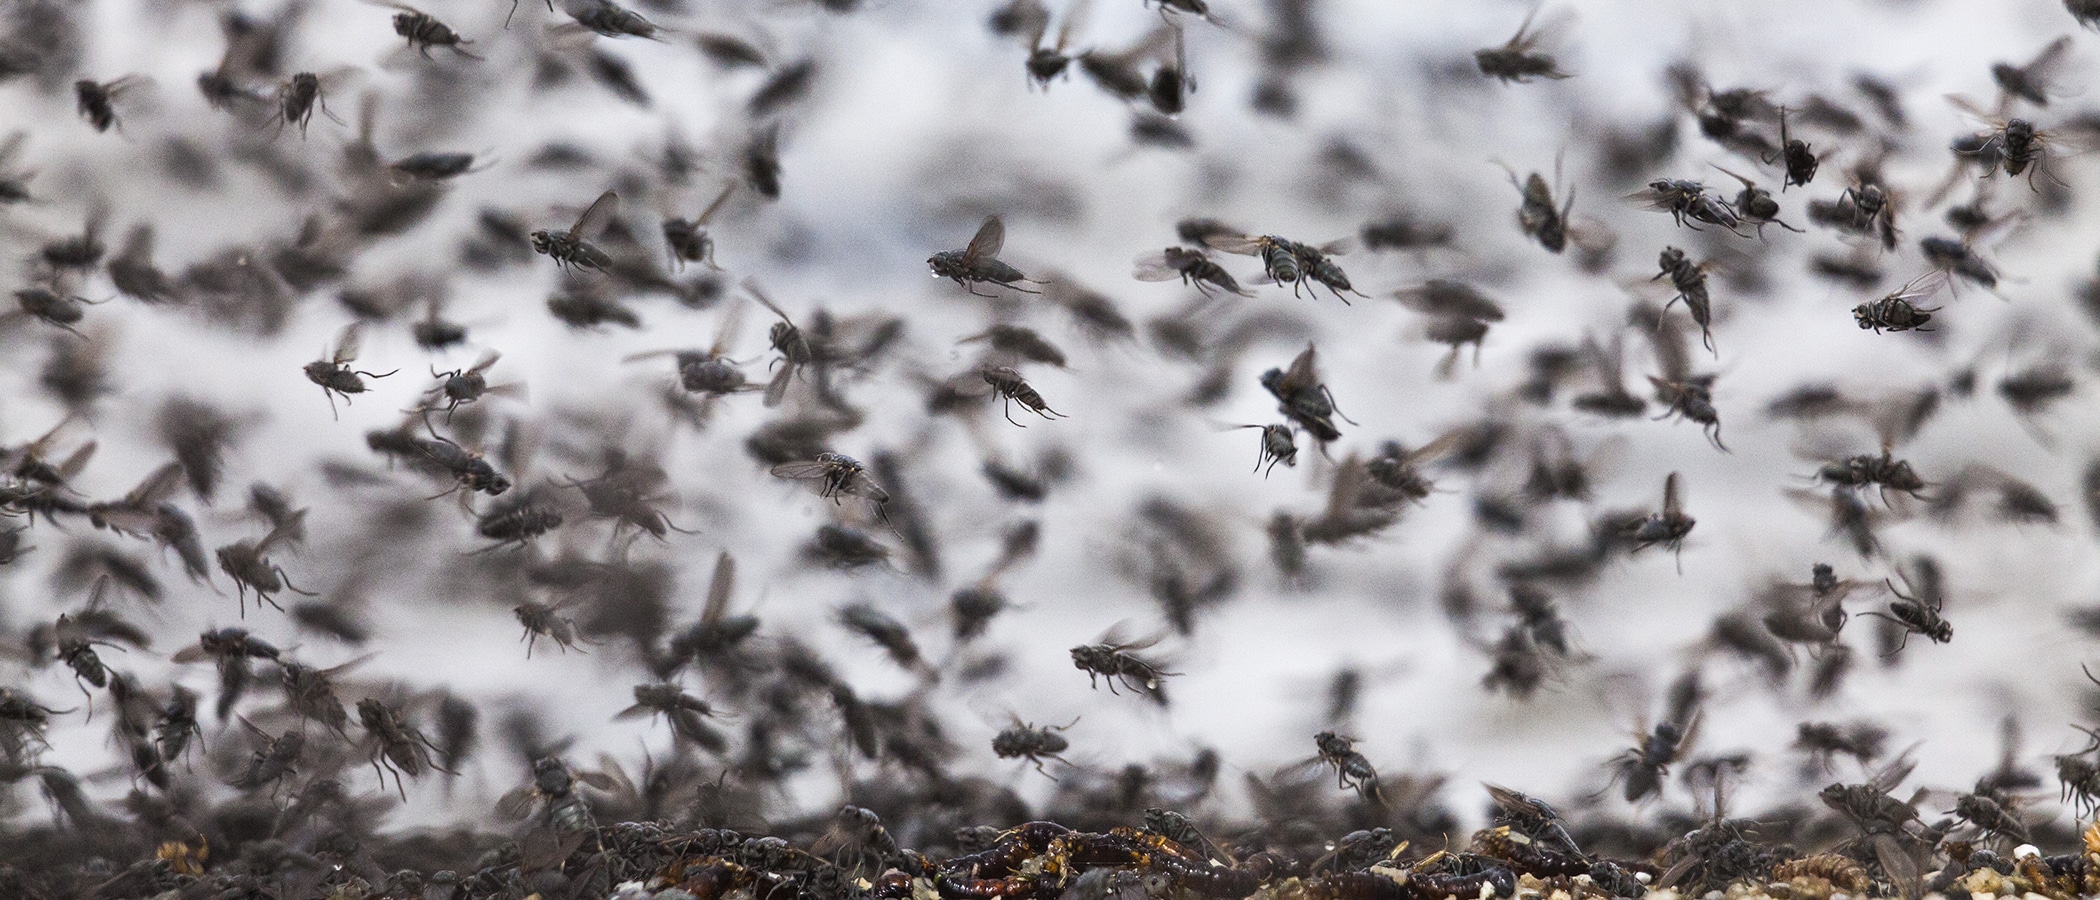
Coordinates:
<point>726,333</point>
<point>1519,40</point>
<point>1979,113</point>
<point>720,588</point>
<point>1154,267</point>
<point>1033,21</point>
<point>1672,353</point>
<point>991,237</point>
<point>487,359</point>
<point>1337,247</point>
<point>339,669</point>
<point>1243,244</point>
<point>709,213</point>
<point>1443,444</point>
<point>1894,773</point>
<point>1607,361</point>
<point>1902,868</point>
<point>1304,374</point>
<point>156,489</point>
<point>777,387</point>
<point>809,468</point>
<point>599,215</point>
<point>1075,18</point>
<point>1921,287</point>
<point>76,462</point>
<point>751,287</point>
<point>291,531</point>
<point>1672,503</point>
<point>2039,68</point>
<point>348,343</point>
<point>860,485</point>
<point>516,803</point>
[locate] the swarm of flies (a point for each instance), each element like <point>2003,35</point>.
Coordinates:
<point>779,798</point>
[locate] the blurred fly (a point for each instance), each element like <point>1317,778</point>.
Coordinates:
<point>1193,267</point>
<point>423,31</point>
<point>334,374</point>
<point>841,475</point>
<point>1537,216</point>
<point>1303,398</point>
<point>1666,527</point>
<point>1518,60</point>
<point>1801,162</point>
<point>96,100</point>
<point>689,241</point>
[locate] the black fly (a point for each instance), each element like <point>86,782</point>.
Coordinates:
<point>334,374</point>
<point>573,248</point>
<point>1517,60</point>
<point>979,262</point>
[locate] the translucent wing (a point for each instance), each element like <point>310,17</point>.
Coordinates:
<point>1672,504</point>
<point>157,487</point>
<point>720,588</point>
<point>1979,113</point>
<point>709,213</point>
<point>1075,17</point>
<point>1245,245</point>
<point>599,215</point>
<point>126,83</point>
<point>777,387</point>
<point>347,343</point>
<point>1034,19</point>
<point>487,359</point>
<point>726,333</point>
<point>340,668</point>
<point>991,236</point>
<point>1154,267</point>
<point>1519,39</point>
<point>1921,287</point>
<point>1337,247</point>
<point>76,462</point>
<point>1304,373</point>
<point>805,469</point>
<point>1443,444</point>
<point>2044,62</point>
<point>516,803</point>
<point>751,287</point>
<point>860,485</point>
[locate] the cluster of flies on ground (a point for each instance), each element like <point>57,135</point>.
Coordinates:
<point>276,809</point>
